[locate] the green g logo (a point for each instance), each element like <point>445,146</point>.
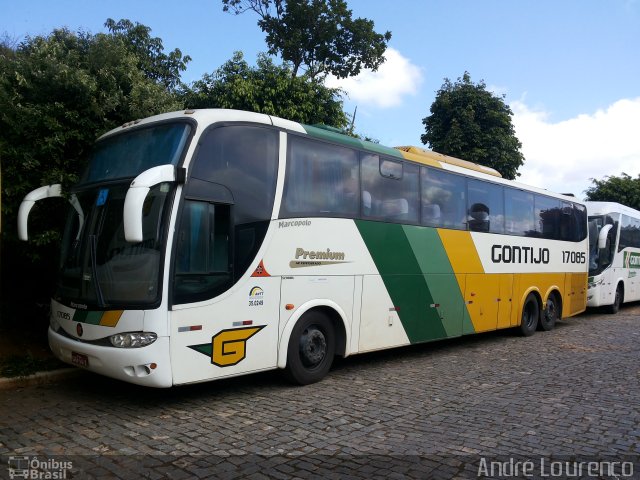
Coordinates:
<point>228,347</point>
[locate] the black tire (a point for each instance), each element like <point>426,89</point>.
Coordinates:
<point>617,301</point>
<point>551,314</point>
<point>530,316</point>
<point>311,349</point>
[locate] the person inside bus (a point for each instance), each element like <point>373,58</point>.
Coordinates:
<point>479,217</point>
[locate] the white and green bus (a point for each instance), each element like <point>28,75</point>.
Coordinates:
<point>614,255</point>
<point>213,243</point>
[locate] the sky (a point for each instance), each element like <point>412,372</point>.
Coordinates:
<point>569,69</point>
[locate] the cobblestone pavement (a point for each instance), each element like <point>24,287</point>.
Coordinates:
<point>449,409</point>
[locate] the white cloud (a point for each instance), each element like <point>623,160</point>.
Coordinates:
<point>386,87</point>
<point>564,156</point>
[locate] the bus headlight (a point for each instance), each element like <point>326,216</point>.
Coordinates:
<point>133,339</point>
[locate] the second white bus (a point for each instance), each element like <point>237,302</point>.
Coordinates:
<point>614,255</point>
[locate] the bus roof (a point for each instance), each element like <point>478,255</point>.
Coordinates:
<point>420,153</point>
<point>603,208</point>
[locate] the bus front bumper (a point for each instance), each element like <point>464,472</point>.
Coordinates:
<point>149,366</point>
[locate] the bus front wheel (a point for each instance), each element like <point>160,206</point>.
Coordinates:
<point>311,349</point>
<point>530,315</point>
<point>617,301</point>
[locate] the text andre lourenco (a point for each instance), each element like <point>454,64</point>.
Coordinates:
<point>549,468</point>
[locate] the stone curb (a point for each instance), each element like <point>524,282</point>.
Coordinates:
<point>39,378</point>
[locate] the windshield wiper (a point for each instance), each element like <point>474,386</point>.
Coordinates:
<point>93,241</point>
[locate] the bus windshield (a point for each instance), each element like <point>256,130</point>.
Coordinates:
<point>99,269</point>
<point>128,154</point>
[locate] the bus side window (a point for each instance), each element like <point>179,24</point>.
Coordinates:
<point>391,189</point>
<point>518,207</point>
<point>202,265</point>
<point>322,180</point>
<point>486,206</point>
<point>566,224</point>
<point>238,164</point>
<point>443,199</point>
<point>579,225</point>
<point>629,233</point>
<point>548,214</point>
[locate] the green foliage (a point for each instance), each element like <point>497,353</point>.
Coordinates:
<point>320,35</point>
<point>267,88</point>
<point>149,52</point>
<point>469,122</point>
<point>57,94</point>
<point>623,189</point>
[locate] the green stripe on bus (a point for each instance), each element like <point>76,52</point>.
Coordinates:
<point>434,263</point>
<point>204,348</point>
<point>325,134</point>
<point>84,316</point>
<point>404,279</point>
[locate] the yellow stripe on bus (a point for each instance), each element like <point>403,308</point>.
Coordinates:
<point>461,251</point>
<point>111,318</point>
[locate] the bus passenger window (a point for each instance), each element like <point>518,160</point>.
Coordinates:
<point>547,214</point>
<point>486,207</point>
<point>579,222</point>
<point>322,180</point>
<point>518,206</point>
<point>443,199</point>
<point>390,189</point>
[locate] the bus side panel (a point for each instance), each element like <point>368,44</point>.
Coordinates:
<point>233,334</point>
<point>420,281</point>
<point>489,299</point>
<point>630,269</point>
<point>380,325</point>
<point>633,282</point>
<point>304,291</point>
<point>575,293</point>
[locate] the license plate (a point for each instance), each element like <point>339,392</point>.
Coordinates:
<point>79,359</point>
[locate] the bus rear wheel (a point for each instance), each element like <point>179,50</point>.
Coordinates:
<point>311,349</point>
<point>530,316</point>
<point>551,313</point>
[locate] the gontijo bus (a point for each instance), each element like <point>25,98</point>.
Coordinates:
<point>212,243</point>
<point>614,255</point>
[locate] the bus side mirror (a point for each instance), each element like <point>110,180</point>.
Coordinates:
<point>602,236</point>
<point>48,191</point>
<point>134,201</point>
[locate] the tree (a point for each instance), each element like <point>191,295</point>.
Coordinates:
<point>320,35</point>
<point>151,59</point>
<point>57,94</point>
<point>267,88</point>
<point>623,189</point>
<point>469,122</point>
